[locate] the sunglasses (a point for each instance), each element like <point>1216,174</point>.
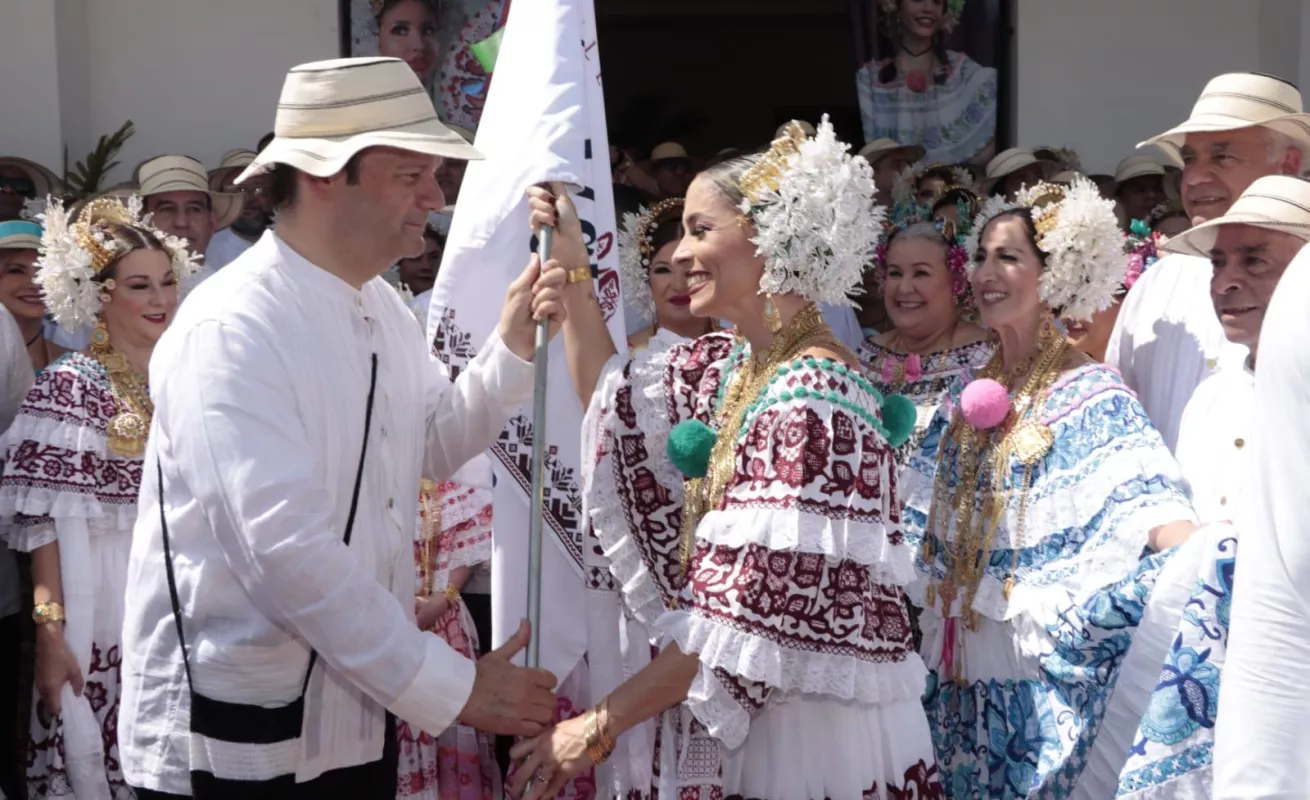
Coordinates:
<point>23,186</point>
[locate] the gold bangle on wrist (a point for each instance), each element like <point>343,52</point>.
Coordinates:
<point>600,745</point>
<point>45,613</point>
<point>578,275</point>
<point>451,593</point>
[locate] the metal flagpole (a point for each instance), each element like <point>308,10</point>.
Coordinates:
<point>536,508</point>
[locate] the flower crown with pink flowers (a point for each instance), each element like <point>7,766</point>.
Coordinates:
<point>1143,247</point>
<point>957,256</point>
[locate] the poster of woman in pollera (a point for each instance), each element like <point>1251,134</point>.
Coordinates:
<point>927,75</point>
<point>437,38</point>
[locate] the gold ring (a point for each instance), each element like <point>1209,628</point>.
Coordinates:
<point>578,275</point>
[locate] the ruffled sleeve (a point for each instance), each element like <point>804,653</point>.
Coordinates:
<point>794,585</point>
<point>464,538</point>
<point>57,464</point>
<point>632,495</point>
<point>1107,481</point>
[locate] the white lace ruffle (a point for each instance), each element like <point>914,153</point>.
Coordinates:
<point>792,671</point>
<point>1065,501</point>
<point>79,438</point>
<point>36,502</point>
<point>790,529</point>
<point>605,507</point>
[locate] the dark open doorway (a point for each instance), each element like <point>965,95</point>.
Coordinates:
<point>713,74</point>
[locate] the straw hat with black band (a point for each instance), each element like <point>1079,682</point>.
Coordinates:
<point>331,110</point>
<point>163,174</point>
<point>1008,162</point>
<point>1275,202</point>
<point>1137,166</point>
<point>233,163</point>
<point>44,181</point>
<point>1240,100</point>
<point>878,149</point>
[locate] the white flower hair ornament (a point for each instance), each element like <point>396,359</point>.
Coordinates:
<point>812,205</point>
<point>1079,235</point>
<point>637,249</point>
<point>905,186</point>
<point>76,250</point>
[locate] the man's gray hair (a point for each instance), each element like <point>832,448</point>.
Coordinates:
<point>1279,143</point>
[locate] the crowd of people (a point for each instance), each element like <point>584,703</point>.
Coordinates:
<point>907,482</point>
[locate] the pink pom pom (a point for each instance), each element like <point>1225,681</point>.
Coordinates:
<point>984,403</point>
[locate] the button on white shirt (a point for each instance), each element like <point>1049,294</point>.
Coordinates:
<point>260,388</point>
<point>1212,442</point>
<point>1167,339</point>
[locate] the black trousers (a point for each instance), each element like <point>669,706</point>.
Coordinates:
<point>375,781</point>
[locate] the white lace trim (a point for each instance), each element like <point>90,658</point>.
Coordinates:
<point>1195,785</point>
<point>792,671</point>
<point>714,707</point>
<point>79,437</point>
<point>607,512</point>
<point>1072,499</point>
<point>793,529</point>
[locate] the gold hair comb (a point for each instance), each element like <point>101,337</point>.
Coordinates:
<point>767,175</point>
<point>88,230</point>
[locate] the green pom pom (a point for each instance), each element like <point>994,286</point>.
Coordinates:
<point>898,417</point>
<point>690,443</point>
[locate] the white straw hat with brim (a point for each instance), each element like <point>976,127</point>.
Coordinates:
<point>878,149</point>
<point>807,127</point>
<point>331,110</point>
<point>20,234</point>
<point>233,162</point>
<point>1010,161</point>
<point>1136,166</point>
<point>666,151</point>
<point>184,174</point>
<point>45,181</point>
<point>462,132</point>
<point>1243,100</point>
<point>1276,203</point>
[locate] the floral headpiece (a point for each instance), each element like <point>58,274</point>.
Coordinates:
<point>637,248</point>
<point>957,257</point>
<point>76,248</point>
<point>951,18</point>
<point>811,202</point>
<point>1143,245</point>
<point>1079,234</point>
<point>905,187</point>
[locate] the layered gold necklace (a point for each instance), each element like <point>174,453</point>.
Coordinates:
<point>985,480</point>
<point>128,428</point>
<point>750,377</point>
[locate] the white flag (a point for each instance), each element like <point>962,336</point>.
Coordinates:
<point>544,121</point>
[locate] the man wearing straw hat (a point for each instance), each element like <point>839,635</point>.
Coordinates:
<point>1249,247</point>
<point>269,638</point>
<point>888,159</point>
<point>256,211</point>
<point>176,193</point>
<point>1167,338</point>
<point>22,180</point>
<point>1011,170</point>
<point>1138,186</point>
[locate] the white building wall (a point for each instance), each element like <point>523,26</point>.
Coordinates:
<point>203,76</point>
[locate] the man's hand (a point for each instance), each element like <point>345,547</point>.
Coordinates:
<point>510,700</point>
<point>533,296</point>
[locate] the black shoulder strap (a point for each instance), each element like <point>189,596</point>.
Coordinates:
<point>350,525</point>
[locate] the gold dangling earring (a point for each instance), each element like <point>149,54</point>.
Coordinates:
<point>772,317</point>
<point>100,338</point>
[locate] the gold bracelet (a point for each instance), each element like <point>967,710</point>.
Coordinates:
<point>451,593</point>
<point>45,613</point>
<point>600,746</point>
<point>578,275</point>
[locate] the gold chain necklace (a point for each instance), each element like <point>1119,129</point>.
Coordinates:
<point>987,453</point>
<point>806,332</point>
<point>127,430</point>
